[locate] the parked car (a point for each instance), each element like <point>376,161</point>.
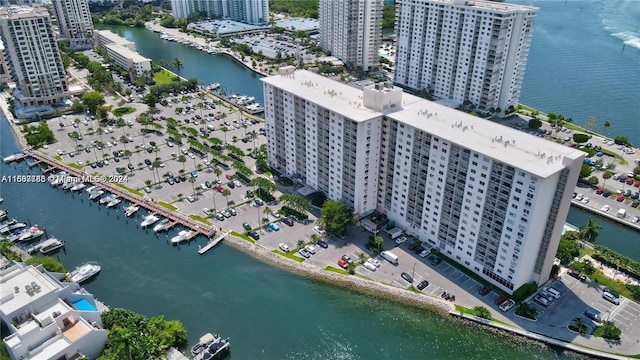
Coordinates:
<point>499,300</point>
<point>347,259</point>
<point>423,284</point>
<point>507,305</point>
<point>576,274</point>
<point>407,277</point>
<point>323,244</point>
<point>401,240</point>
<point>284,247</point>
<point>485,290</point>
<point>288,221</point>
<point>343,264</point>
<point>246,226</point>
<point>425,253</point>
<point>375,262</point>
<point>274,227</point>
<point>304,253</point>
<point>369,266</point>
<point>593,315</point>
<point>311,249</point>
<point>254,235</point>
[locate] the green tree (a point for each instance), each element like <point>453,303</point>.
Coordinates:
<point>535,124</point>
<point>579,325</point>
<point>580,138</point>
<point>336,216</point>
<point>611,331</point>
<point>49,263</point>
<point>585,171</point>
<point>296,202</point>
<point>593,180</point>
<point>378,243</point>
<point>226,193</point>
<point>482,312</point>
<point>590,231</point>
<point>264,185</point>
<point>91,100</point>
<point>178,65</point>
<point>567,251</point>
<point>123,341</point>
<point>606,176</point>
<point>123,318</point>
<point>167,332</point>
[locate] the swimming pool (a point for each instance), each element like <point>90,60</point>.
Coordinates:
<point>84,305</point>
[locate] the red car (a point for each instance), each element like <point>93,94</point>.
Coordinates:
<point>343,264</point>
<point>636,184</point>
<point>629,181</point>
<point>600,191</point>
<point>500,300</point>
<point>620,198</point>
<point>219,188</point>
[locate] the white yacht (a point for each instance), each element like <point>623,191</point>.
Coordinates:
<point>114,201</point>
<point>182,236</point>
<point>34,233</point>
<point>106,199</point>
<point>162,225</point>
<point>78,187</point>
<point>95,194</point>
<point>12,157</point>
<point>130,210</point>
<point>84,272</point>
<point>149,220</point>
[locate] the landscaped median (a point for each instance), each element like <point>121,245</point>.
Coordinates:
<point>289,255</point>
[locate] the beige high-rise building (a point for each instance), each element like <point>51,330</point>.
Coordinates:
<point>32,55</point>
<point>74,22</point>
<point>352,31</point>
<point>464,50</point>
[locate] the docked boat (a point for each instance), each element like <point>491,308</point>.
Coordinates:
<point>91,188</point>
<point>3,214</point>
<point>67,185</point>
<point>114,201</point>
<point>95,194</point>
<point>182,236</point>
<point>12,157</point>
<point>149,220</point>
<point>15,235</point>
<point>130,210</point>
<point>84,272</point>
<point>10,226</point>
<point>78,187</point>
<point>211,347</point>
<point>106,199</point>
<point>50,245</point>
<point>162,225</point>
<point>57,179</point>
<point>34,233</point>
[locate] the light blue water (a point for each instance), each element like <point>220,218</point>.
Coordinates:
<point>584,62</point>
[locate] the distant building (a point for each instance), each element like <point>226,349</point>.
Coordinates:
<point>48,319</point>
<point>5,76</point>
<point>123,53</point>
<point>491,198</point>
<point>74,22</point>
<point>33,56</point>
<point>352,31</point>
<point>464,50</point>
<point>248,11</point>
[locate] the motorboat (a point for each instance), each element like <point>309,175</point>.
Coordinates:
<point>15,235</point>
<point>130,210</point>
<point>57,179</point>
<point>106,199</point>
<point>11,225</point>
<point>84,272</point>
<point>67,185</point>
<point>3,214</point>
<point>50,245</point>
<point>162,225</point>
<point>12,157</point>
<point>217,349</point>
<point>91,188</point>
<point>114,201</point>
<point>78,187</point>
<point>95,194</point>
<point>203,343</point>
<point>182,236</point>
<point>34,233</point>
<point>149,220</point>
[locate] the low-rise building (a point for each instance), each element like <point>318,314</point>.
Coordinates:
<point>47,318</point>
<point>123,53</point>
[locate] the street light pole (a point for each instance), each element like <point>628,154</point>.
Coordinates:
<point>413,273</point>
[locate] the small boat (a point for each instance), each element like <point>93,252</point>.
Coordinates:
<point>57,179</point>
<point>78,187</point>
<point>216,349</point>
<point>84,272</point>
<point>130,210</point>
<point>114,201</point>
<point>182,236</point>
<point>15,235</point>
<point>162,225</point>
<point>50,245</point>
<point>12,157</point>
<point>34,233</point>
<point>149,220</point>
<point>95,194</point>
<point>3,214</point>
<point>91,188</point>
<point>67,185</point>
<point>203,343</point>
<point>106,199</point>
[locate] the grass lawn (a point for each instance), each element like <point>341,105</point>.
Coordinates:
<point>133,191</point>
<point>164,76</point>
<point>123,111</point>
<point>75,166</point>
<point>468,311</point>
<point>200,218</point>
<point>242,236</point>
<point>58,158</point>
<point>336,270</point>
<point>167,206</point>
<point>289,255</point>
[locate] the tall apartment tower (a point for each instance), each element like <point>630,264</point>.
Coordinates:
<point>74,22</point>
<point>33,55</point>
<point>464,50</point>
<point>249,11</point>
<point>489,197</point>
<point>181,8</point>
<point>352,31</point>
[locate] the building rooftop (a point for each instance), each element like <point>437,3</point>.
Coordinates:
<point>305,24</point>
<point>340,98</point>
<point>226,26</point>
<point>127,53</point>
<point>517,148</point>
<point>113,37</point>
<point>487,5</point>
<point>21,286</point>
<point>22,11</point>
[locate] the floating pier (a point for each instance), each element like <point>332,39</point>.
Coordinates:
<point>211,244</point>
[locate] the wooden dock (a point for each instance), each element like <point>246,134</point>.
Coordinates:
<point>211,244</point>
<point>152,207</point>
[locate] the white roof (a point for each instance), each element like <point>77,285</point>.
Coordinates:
<point>127,53</point>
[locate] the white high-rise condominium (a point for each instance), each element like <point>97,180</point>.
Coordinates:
<point>33,56</point>
<point>74,22</point>
<point>248,11</point>
<point>464,50</point>
<point>352,31</point>
<point>492,198</point>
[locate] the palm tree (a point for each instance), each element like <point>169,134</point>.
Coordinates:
<point>267,210</point>
<point>226,194</point>
<point>182,159</point>
<point>218,172</point>
<point>606,176</point>
<point>178,65</point>
<point>590,231</point>
<point>192,180</point>
<point>296,202</point>
<point>224,129</point>
<point>123,341</point>
<point>301,244</point>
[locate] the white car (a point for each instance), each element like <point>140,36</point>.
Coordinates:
<point>507,305</point>
<point>275,214</point>
<point>311,249</point>
<point>579,197</point>
<point>319,230</point>
<point>374,262</point>
<point>401,239</point>
<point>425,253</point>
<point>606,208</point>
<point>237,183</point>
<point>284,247</point>
<point>369,266</point>
<point>586,200</point>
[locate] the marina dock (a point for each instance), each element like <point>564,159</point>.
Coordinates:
<point>212,243</point>
<point>152,207</point>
